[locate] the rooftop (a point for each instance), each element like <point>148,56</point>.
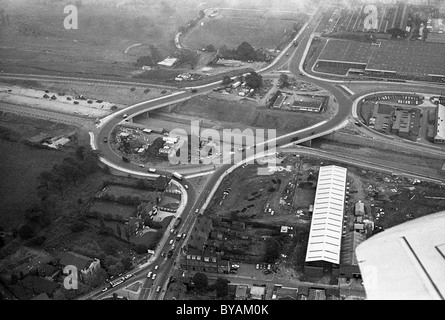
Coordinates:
<point>440,128</point>
<point>327,217</point>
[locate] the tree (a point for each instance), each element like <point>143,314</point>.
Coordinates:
<point>187,56</point>
<point>226,80</point>
<point>254,80</point>
<point>155,54</point>
<point>246,52</point>
<point>126,262</point>
<point>284,80</point>
<point>97,278</point>
<point>80,152</point>
<point>273,249</point>
<point>210,48</point>
<point>26,231</point>
<point>140,248</point>
<point>221,286</point>
<point>201,281</point>
<point>118,230</point>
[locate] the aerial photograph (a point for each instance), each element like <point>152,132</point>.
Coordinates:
<point>223,153</point>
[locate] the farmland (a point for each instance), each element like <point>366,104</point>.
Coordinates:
<point>105,30</point>
<point>231,27</point>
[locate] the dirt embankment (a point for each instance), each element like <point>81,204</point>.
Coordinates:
<point>232,111</point>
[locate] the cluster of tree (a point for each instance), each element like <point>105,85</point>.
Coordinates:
<point>68,173</point>
<point>210,48</point>
<point>283,82</point>
<point>187,56</point>
<point>244,52</point>
<point>273,250</point>
<point>254,80</point>
<point>150,60</point>
<point>201,283</point>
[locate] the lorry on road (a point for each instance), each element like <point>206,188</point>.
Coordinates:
<point>177,222</point>
<point>177,176</point>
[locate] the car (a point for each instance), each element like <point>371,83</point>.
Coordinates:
<point>128,276</point>
<point>158,289</point>
<point>186,186</point>
<point>105,139</point>
<point>141,165</point>
<point>257,266</point>
<point>196,211</point>
<point>194,90</point>
<point>104,289</point>
<point>156,267</point>
<point>124,116</point>
<point>171,241</point>
<point>153,276</point>
<point>184,235</point>
<point>173,247</point>
<point>163,254</point>
<point>313,132</point>
<point>287,54</point>
<point>149,274</point>
<point>172,230</point>
<point>153,170</point>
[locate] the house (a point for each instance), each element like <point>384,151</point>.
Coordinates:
<point>204,261</point>
<point>286,293</point>
<point>168,62</point>
<point>200,233</point>
<point>317,294</point>
<point>241,292</point>
<point>359,209</point>
<point>85,265</point>
<point>257,293</point>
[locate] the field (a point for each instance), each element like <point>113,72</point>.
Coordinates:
<point>231,112</point>
<point>231,27</point>
<point>20,165</point>
<point>36,40</point>
<point>111,34</point>
<point>104,207</point>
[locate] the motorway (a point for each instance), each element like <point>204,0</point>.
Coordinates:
<point>296,56</point>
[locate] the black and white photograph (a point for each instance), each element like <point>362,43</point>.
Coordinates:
<point>222,156</point>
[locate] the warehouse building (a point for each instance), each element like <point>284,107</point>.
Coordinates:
<point>323,251</point>
<point>440,124</point>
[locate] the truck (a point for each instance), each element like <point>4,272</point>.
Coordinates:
<point>125,159</point>
<point>177,176</point>
<point>177,222</point>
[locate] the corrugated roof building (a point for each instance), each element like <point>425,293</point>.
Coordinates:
<point>327,219</point>
<point>440,124</point>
